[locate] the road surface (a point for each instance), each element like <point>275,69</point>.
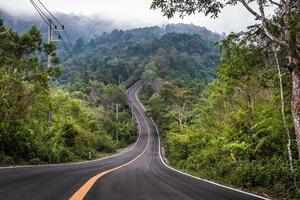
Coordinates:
<point>137,173</point>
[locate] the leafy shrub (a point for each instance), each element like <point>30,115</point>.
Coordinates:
<point>69,134</point>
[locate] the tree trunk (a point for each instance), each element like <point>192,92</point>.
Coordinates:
<point>283,115</point>
<point>295,104</point>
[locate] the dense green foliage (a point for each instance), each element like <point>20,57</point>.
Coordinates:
<point>233,132</point>
<point>223,124</point>
<point>126,53</point>
<point>83,121</point>
<point>83,113</point>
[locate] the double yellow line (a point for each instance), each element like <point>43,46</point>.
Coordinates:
<point>80,194</point>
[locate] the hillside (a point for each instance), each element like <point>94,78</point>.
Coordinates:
<point>220,108</point>
<point>193,29</point>
<point>120,55</point>
<point>231,130</point>
<point>40,123</point>
<point>126,53</point>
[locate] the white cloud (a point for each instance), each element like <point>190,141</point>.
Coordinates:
<point>135,13</point>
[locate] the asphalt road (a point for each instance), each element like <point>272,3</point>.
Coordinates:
<point>137,173</point>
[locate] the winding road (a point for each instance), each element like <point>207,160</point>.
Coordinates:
<point>137,173</point>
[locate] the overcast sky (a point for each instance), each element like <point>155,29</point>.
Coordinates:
<point>135,13</point>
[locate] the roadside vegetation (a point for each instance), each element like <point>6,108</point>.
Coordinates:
<point>226,111</point>
<point>83,120</point>
<point>244,129</point>
<point>232,130</point>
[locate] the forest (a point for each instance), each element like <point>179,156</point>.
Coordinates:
<point>242,128</point>
<point>218,104</point>
<point>230,130</point>
<point>83,122</point>
<point>222,104</point>
<point>126,53</point>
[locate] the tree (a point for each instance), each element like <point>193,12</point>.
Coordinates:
<point>281,29</point>
<point>79,45</point>
<point>286,127</point>
<point>150,73</point>
<point>69,134</point>
<point>24,90</point>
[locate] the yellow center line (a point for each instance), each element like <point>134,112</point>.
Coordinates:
<point>80,194</point>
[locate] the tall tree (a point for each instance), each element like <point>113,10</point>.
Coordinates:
<point>281,29</point>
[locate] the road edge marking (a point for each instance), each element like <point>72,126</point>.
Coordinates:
<point>198,178</point>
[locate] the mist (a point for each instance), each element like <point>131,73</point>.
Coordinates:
<point>132,14</point>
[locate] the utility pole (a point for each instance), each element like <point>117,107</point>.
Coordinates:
<point>51,28</point>
<point>49,116</point>
<point>132,115</point>
<point>118,123</point>
<point>130,103</point>
<point>117,112</point>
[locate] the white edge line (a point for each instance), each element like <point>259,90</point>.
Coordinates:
<point>83,162</point>
<point>201,179</point>
<point>136,97</point>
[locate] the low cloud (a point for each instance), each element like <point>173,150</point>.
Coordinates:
<point>134,13</point>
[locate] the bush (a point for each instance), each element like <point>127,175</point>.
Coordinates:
<point>106,144</point>
<point>84,152</point>
<point>69,133</point>
<point>6,160</point>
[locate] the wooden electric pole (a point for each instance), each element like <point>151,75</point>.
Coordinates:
<point>49,116</point>
<point>117,112</point>
<point>118,123</point>
<point>51,28</point>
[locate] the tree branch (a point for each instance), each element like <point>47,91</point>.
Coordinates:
<point>279,5</point>
<point>272,37</point>
<point>258,16</point>
<point>266,30</point>
<point>265,22</point>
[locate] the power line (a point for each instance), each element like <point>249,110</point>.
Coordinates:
<point>67,49</point>
<point>68,46</point>
<point>51,14</point>
<point>43,16</point>
<point>71,45</point>
<point>62,29</point>
<point>75,59</point>
<point>82,65</point>
<point>49,21</point>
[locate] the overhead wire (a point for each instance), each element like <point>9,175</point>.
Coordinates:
<point>71,45</point>
<point>82,65</point>
<point>51,14</point>
<point>40,12</point>
<point>69,41</point>
<point>69,48</point>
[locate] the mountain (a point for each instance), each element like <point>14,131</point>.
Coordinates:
<point>193,29</point>
<point>176,55</point>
